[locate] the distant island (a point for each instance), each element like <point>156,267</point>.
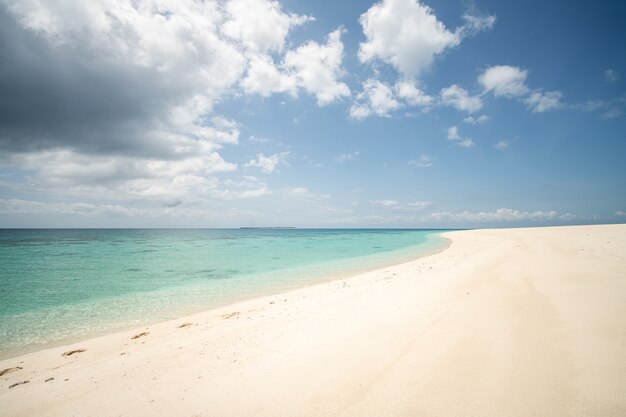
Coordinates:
<point>269,227</point>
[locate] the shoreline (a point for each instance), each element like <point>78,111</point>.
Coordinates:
<point>60,343</point>
<point>496,318</point>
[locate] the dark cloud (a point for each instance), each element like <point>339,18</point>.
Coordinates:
<point>73,95</point>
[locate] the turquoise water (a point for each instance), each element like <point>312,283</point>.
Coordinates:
<point>61,285</point>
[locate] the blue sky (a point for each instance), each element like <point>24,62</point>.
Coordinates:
<point>395,113</point>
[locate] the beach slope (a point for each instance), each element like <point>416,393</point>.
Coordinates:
<point>508,322</point>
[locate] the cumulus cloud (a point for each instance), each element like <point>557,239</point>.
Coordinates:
<point>504,81</point>
<point>269,163</point>
<point>116,100</point>
<point>155,69</point>
<point>476,120</point>
<point>381,99</point>
<point>408,91</point>
<point>510,82</point>
<point>423,161</point>
<point>150,68</point>
<point>265,79</point>
<point>407,35</point>
<point>314,67</point>
<point>460,99</point>
<point>317,68</point>
<point>259,25</point>
<point>377,98</point>
<point>187,172</point>
<point>455,137</point>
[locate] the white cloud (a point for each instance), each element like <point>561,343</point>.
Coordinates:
<point>317,68</point>
<point>611,75</point>
<point>244,187</point>
<point>304,193</point>
<point>314,67</point>
<point>398,206</point>
<point>419,205</point>
<point>476,120</point>
<point>504,81</point>
<point>377,98</point>
<point>265,79</point>
<point>256,139</point>
<point>385,203</point>
<point>18,206</point>
<point>405,34</point>
<point>424,161</point>
<point>475,24</point>
<point>157,69</point>
<point>498,216</point>
<point>268,163</point>
<point>455,137</point>
<point>510,82</point>
<point>242,194</point>
<point>459,98</point>
<point>620,214</point>
<point>298,192</point>
<point>260,25</point>
<point>539,101</point>
<point>408,91</point>
<point>344,157</point>
<point>186,173</point>
<point>453,133</point>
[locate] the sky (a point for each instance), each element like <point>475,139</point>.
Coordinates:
<point>229,113</point>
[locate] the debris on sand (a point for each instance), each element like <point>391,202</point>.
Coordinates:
<point>142,334</point>
<point>18,383</point>
<point>185,325</point>
<point>6,371</point>
<point>230,315</point>
<point>71,352</point>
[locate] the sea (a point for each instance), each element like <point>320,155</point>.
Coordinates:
<point>62,285</point>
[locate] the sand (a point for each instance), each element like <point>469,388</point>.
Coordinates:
<point>509,322</point>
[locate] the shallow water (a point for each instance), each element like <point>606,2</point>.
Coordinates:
<point>64,284</point>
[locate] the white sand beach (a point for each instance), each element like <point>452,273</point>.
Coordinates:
<point>507,322</point>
